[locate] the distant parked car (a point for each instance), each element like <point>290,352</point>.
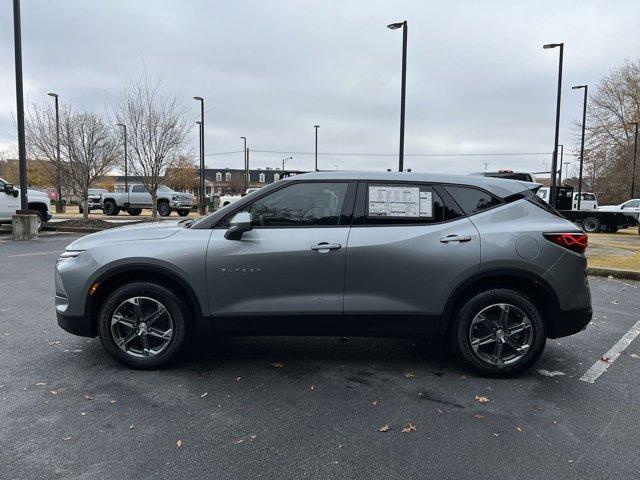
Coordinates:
<point>508,175</point>
<point>10,202</point>
<point>93,201</point>
<point>229,199</point>
<point>138,198</point>
<point>630,206</point>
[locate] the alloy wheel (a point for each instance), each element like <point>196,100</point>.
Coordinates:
<point>141,327</point>
<point>500,334</point>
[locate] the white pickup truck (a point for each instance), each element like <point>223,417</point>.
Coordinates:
<point>229,199</point>
<point>138,198</point>
<point>10,202</point>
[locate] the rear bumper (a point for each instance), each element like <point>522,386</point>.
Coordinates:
<point>569,322</point>
<point>77,325</point>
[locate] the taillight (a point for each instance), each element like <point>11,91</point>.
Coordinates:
<point>576,242</point>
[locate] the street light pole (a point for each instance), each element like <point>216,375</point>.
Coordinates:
<point>403,91</point>
<point>560,169</point>
<point>316,127</point>
<point>126,159</point>
<point>244,151</point>
<point>584,122</point>
<point>58,174</point>
<point>202,202</point>
<point>554,163</point>
<point>635,155</point>
<point>284,160</point>
<point>22,154</point>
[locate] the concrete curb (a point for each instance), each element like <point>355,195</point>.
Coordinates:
<point>613,272</point>
<point>51,228</point>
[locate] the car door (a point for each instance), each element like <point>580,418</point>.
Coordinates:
<point>8,203</point>
<point>631,206</point>
<point>286,275</point>
<point>410,245</point>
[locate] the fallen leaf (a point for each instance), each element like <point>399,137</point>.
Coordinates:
<point>482,399</point>
<point>312,387</point>
<point>555,422</point>
<point>179,443</point>
<point>112,401</point>
<point>237,379</point>
<point>409,374</point>
<point>204,394</point>
<point>41,384</point>
<point>88,397</point>
<point>131,427</point>
<point>54,343</point>
<point>496,434</point>
<point>519,429</point>
<point>375,402</point>
<point>238,441</point>
<point>384,428</point>
<point>278,365</point>
<point>83,413</point>
<point>610,277</point>
<point>253,436</point>
<point>634,355</point>
<point>66,439</point>
<point>53,392</point>
<point>409,428</point>
<point>478,417</point>
<point>439,411</point>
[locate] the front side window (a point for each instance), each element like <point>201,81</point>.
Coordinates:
<point>472,200</point>
<point>406,204</point>
<point>302,204</point>
<point>632,204</point>
<point>138,189</point>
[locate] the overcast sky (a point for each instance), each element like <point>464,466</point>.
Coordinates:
<point>478,80</point>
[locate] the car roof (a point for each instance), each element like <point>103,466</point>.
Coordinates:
<point>498,186</point>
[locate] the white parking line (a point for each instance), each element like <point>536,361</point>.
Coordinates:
<point>35,253</point>
<point>608,358</point>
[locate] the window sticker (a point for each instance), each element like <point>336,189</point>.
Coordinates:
<point>426,204</point>
<point>398,201</point>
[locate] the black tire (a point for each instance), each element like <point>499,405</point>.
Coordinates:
<point>110,208</point>
<point>183,213</point>
<point>591,225</point>
<point>164,209</point>
<point>175,307</point>
<point>134,212</point>
<point>81,210</point>
<point>39,220</point>
<point>484,301</point>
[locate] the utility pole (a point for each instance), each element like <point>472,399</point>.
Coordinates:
<point>58,173</point>
<point>244,152</point>
<point>584,122</point>
<point>126,160</point>
<point>560,169</point>
<point>22,154</point>
<point>247,173</point>
<point>202,199</point>
<point>403,90</point>
<point>554,163</point>
<point>316,127</point>
<point>635,155</point>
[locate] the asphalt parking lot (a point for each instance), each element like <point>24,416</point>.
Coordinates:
<point>306,407</point>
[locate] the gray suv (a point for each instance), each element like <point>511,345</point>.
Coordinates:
<point>481,262</point>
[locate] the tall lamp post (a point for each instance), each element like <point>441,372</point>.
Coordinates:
<point>584,122</point>
<point>403,90</point>
<point>316,128</point>
<point>22,153</point>
<point>202,201</point>
<point>126,159</point>
<point>58,174</point>
<point>560,169</point>
<point>244,151</point>
<point>284,160</point>
<point>554,162</point>
<point>635,155</point>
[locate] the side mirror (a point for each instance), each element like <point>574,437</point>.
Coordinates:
<point>9,189</point>
<point>240,223</point>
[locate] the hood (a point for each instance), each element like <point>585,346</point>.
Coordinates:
<point>143,231</point>
<point>32,194</point>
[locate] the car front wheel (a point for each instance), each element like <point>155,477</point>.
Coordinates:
<point>164,209</point>
<point>142,325</point>
<point>499,333</point>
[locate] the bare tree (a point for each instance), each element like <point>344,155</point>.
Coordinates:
<point>157,129</point>
<point>40,131</point>
<point>90,148</point>
<point>609,138</point>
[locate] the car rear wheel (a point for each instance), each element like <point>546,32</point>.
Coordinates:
<point>110,208</point>
<point>591,225</point>
<point>142,325</point>
<point>134,212</point>
<point>39,220</point>
<point>499,333</point>
<point>183,213</point>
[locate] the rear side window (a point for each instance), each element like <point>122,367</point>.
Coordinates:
<point>138,189</point>
<point>406,204</point>
<point>472,200</point>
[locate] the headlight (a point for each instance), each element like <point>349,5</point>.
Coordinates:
<point>174,197</point>
<point>68,255</point>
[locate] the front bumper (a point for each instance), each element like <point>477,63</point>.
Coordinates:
<point>180,205</point>
<point>48,216</point>
<point>569,322</point>
<point>76,325</point>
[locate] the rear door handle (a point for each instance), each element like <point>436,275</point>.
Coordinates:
<point>325,246</point>
<point>455,238</point>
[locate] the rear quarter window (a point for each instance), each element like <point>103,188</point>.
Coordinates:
<point>473,200</point>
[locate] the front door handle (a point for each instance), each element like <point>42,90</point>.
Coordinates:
<point>325,247</point>
<point>455,238</point>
